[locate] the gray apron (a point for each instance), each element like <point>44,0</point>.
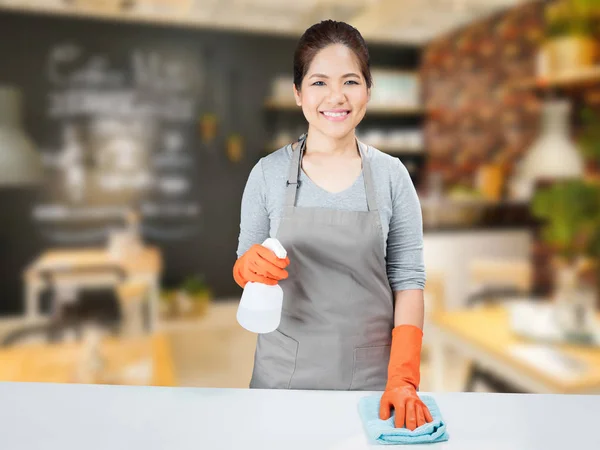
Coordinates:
<point>338,313</point>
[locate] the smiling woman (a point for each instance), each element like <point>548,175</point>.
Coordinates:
<point>349,217</point>
<point>332,79</point>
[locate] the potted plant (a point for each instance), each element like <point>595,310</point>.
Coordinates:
<point>570,215</point>
<point>570,42</point>
<point>194,297</point>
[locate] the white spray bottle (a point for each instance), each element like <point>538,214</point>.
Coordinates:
<point>259,310</point>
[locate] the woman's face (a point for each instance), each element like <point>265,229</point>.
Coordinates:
<point>334,94</point>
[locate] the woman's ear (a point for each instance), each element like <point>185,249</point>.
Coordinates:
<point>297,95</point>
<point>368,95</point>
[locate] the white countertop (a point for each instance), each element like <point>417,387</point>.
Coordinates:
<point>73,417</point>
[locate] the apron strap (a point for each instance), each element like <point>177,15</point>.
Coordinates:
<point>293,182</point>
<point>368,176</point>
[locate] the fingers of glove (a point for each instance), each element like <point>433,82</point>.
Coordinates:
<point>253,273</point>
<point>384,409</point>
<point>411,415</point>
<point>269,255</point>
<point>400,408</point>
<point>239,278</point>
<point>253,268</point>
<point>270,270</point>
<point>428,416</point>
<point>420,414</point>
<point>267,281</point>
<point>256,278</point>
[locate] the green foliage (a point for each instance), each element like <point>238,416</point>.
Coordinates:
<point>571,18</point>
<point>589,140</point>
<point>570,211</point>
<point>194,285</point>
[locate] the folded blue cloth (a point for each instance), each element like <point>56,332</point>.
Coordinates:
<point>384,432</point>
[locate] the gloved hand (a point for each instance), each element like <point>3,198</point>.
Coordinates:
<point>261,265</point>
<point>403,380</point>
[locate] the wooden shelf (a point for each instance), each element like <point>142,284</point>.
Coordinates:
<point>572,80</point>
<point>382,109</point>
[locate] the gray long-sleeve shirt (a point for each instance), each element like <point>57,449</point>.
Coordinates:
<point>397,201</point>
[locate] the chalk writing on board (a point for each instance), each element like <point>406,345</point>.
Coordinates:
<point>69,65</point>
<point>125,119</point>
<point>118,103</point>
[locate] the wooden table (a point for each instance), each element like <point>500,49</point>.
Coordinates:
<point>57,363</point>
<point>146,267</point>
<point>484,336</point>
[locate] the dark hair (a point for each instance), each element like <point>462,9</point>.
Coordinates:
<point>325,33</point>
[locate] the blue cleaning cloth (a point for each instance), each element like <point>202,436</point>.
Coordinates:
<point>384,432</point>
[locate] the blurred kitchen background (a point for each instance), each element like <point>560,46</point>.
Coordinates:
<point>128,129</point>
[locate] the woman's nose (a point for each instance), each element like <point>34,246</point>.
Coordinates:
<point>336,95</point>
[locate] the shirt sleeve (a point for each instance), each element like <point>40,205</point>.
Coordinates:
<point>254,217</point>
<point>405,263</point>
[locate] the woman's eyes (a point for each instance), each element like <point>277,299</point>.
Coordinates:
<point>322,83</point>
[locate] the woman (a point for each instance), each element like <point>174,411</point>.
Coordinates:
<point>349,217</point>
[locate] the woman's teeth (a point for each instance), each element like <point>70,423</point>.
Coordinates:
<point>335,114</point>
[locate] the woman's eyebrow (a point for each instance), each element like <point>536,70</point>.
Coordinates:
<point>321,75</point>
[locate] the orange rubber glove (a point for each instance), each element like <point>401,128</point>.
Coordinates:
<point>261,265</point>
<point>403,380</point>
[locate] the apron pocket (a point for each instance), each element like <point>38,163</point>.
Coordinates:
<point>275,361</point>
<point>370,368</point>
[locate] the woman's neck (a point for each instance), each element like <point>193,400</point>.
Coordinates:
<point>316,142</point>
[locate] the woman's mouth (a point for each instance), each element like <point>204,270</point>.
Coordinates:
<point>336,115</point>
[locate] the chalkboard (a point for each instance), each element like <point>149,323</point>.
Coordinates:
<point>126,127</point>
